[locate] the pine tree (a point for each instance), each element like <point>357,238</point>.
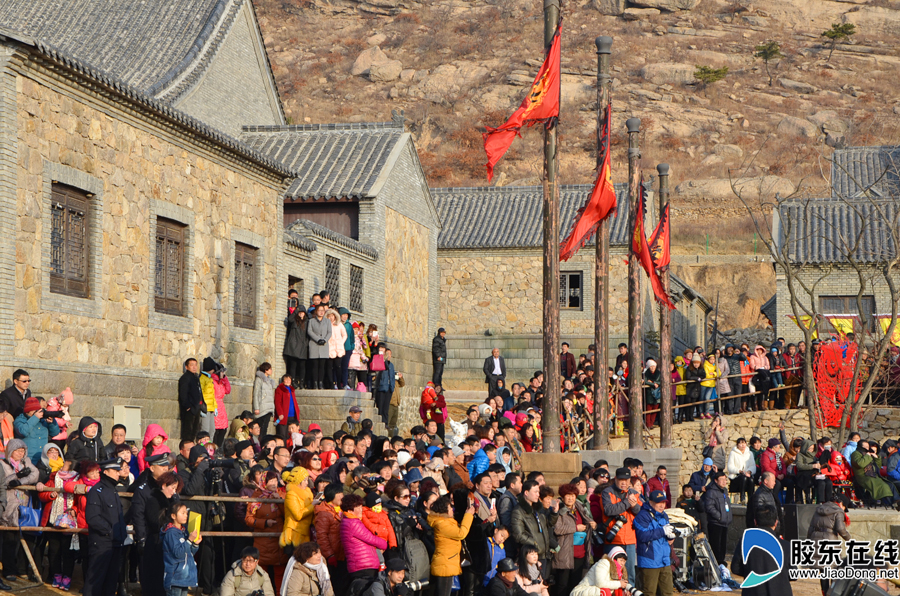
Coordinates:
<point>708,75</point>
<point>838,31</point>
<point>768,51</point>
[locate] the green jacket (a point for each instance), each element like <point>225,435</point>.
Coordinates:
<point>806,460</point>
<point>875,486</point>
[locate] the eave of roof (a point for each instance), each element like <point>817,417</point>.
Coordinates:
<point>308,228</point>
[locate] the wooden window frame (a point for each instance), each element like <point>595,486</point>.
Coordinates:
<point>334,292</point>
<point>848,307</point>
<point>169,300</point>
<point>563,299</point>
<point>72,279</point>
<point>246,282</point>
<point>356,300</point>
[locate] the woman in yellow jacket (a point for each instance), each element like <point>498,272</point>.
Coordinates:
<point>448,537</point>
<point>708,385</point>
<point>298,508</point>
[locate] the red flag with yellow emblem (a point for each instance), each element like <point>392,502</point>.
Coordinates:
<point>600,205</point>
<point>540,105</point>
<point>659,242</point>
<point>641,249</point>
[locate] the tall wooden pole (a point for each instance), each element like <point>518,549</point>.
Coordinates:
<point>665,327</point>
<point>636,335</point>
<point>601,263</point>
<point>550,423</point>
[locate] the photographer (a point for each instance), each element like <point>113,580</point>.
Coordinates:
<point>654,535</point>
<point>621,504</point>
<point>390,581</point>
<point>35,427</point>
<point>246,577</point>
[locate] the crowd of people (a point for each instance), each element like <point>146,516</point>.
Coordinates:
<point>248,510</point>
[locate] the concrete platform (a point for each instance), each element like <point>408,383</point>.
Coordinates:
<point>652,458</point>
<point>330,408</point>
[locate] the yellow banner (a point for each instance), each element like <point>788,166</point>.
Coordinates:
<point>885,322</point>
<point>806,321</point>
<point>842,324</point>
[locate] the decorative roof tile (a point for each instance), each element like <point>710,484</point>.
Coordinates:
<point>329,161</point>
<point>865,171</point>
<point>293,237</point>
<point>828,230</point>
<point>769,309</point>
<point>510,216</point>
<point>137,42</point>
<point>307,228</point>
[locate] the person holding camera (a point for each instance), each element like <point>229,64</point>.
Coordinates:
<point>654,535</point>
<point>246,577</point>
<point>608,575</point>
<point>35,427</point>
<point>196,483</point>
<point>448,537</point>
<point>621,503</point>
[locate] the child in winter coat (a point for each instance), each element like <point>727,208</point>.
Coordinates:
<point>154,443</point>
<point>179,548</point>
<point>496,551</point>
<point>376,520</point>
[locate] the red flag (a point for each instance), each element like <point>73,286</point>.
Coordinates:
<point>540,105</point>
<point>600,205</point>
<point>659,242</point>
<point>641,249</point>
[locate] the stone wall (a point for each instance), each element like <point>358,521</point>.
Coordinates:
<point>406,278</point>
<point>113,347</point>
<point>833,280</point>
<point>878,424</point>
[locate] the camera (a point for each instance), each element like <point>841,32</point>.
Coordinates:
<point>293,303</point>
<point>257,593</point>
<point>620,521</point>
<point>53,414</point>
<point>415,586</point>
<point>262,454</point>
<point>221,463</point>
<point>632,591</point>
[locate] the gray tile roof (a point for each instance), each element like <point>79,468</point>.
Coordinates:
<point>306,228</point>
<point>510,216</point>
<point>295,238</point>
<point>770,309</point>
<point>139,97</point>
<point>330,161</point>
<point>138,42</point>
<point>679,288</point>
<point>865,171</point>
<point>828,230</point>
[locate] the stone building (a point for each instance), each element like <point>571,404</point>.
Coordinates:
<point>821,237</point>
<point>146,205</point>
<point>490,255</point>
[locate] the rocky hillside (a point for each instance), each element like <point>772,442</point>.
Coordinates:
<point>454,66</point>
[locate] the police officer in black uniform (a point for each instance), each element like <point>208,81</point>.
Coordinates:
<point>146,505</point>
<point>106,531</point>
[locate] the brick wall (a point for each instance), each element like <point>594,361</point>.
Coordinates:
<point>109,347</point>
<point>827,280</point>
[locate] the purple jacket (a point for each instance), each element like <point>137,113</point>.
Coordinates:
<point>359,545</point>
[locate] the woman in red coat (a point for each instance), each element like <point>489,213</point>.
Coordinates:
<point>285,406</point>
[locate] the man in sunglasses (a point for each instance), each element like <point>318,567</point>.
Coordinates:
<point>12,399</point>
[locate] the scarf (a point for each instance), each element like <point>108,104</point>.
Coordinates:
<point>350,514</point>
<point>322,573</point>
<point>533,571</point>
<point>55,465</point>
<point>618,567</point>
<point>65,501</point>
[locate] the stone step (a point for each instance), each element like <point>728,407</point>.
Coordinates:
<point>330,408</point>
<point>464,396</point>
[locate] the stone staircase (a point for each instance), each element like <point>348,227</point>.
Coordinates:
<point>330,408</point>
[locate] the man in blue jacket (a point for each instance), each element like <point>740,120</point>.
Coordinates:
<point>384,387</point>
<point>654,537</point>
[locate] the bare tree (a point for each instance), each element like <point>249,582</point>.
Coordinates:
<point>860,242</point>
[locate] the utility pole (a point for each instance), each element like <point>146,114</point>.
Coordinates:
<point>601,262</point>
<point>636,336</point>
<point>665,326</point>
<point>551,262</point>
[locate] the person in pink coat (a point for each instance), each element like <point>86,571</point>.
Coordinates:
<point>223,387</point>
<point>359,543</point>
<point>154,443</point>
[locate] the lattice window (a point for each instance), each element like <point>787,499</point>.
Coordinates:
<point>69,241</point>
<point>169,283</point>
<point>570,290</point>
<point>245,274</point>
<point>356,288</point>
<point>333,279</point>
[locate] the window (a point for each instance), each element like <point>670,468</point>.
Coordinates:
<point>333,279</point>
<point>69,241</point>
<point>356,288</point>
<point>244,286</point>
<point>846,305</point>
<point>169,286</point>
<point>570,295</point>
